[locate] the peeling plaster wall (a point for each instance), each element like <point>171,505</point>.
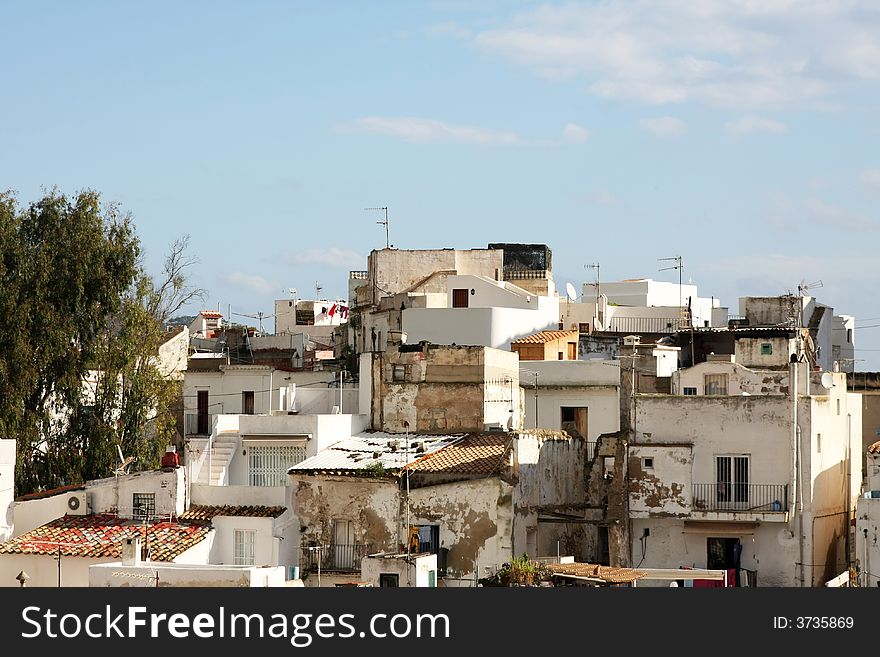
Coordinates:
<point>372,505</point>
<point>665,488</point>
<point>476,522</point>
<point>114,574</point>
<point>414,572</point>
<point>748,351</point>
<point>757,426</point>
<point>445,388</point>
<point>740,379</point>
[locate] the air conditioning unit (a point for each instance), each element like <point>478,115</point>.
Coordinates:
<point>78,504</point>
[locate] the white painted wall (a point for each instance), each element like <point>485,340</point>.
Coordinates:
<point>411,573</point>
<point>740,380</point>
<point>594,384</point>
<point>843,338</point>
<point>488,293</point>
<point>43,570</point>
<point>239,495</point>
<point>7,487</point>
<point>265,548</point>
<point>489,327</point>
<point>114,574</point>
<point>106,496</point>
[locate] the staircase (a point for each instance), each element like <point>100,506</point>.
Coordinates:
<point>215,469</point>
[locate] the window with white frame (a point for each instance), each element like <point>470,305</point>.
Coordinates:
<point>244,547</point>
<point>268,464</point>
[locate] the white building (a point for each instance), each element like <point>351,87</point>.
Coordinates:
<point>478,310</point>
<point>582,396</point>
<point>206,323</point>
<point>843,342</point>
<point>721,478</point>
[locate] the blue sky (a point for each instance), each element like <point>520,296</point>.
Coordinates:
<point>741,135</point>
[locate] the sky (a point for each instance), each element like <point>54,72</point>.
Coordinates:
<point>741,135</point>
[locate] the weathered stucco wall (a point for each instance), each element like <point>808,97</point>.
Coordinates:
<point>768,548</point>
<point>740,379</point>
<point>750,351</point>
<point>371,505</point>
<point>660,480</point>
<point>868,540</point>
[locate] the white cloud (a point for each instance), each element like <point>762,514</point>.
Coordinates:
<point>870,178</point>
<point>252,282</point>
<point>331,257</point>
<point>429,131</point>
<point>821,212</point>
<point>664,126</point>
<point>748,125</point>
<point>729,53</point>
<point>575,134</point>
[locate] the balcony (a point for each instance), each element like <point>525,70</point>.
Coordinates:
<point>358,275</point>
<point>335,557</point>
<point>198,424</point>
<point>726,500</point>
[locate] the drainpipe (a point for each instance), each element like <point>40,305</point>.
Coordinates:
<point>796,494</point>
<point>848,492</point>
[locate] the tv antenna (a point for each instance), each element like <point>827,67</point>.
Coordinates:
<point>383,222</point>
<point>803,286</point>
<point>259,316</point>
<point>679,266</point>
<point>318,288</point>
<point>595,266</point>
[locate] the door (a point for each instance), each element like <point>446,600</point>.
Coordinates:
<point>202,413</point>
<point>343,545</point>
<point>247,402</point>
<point>732,479</point>
<point>460,298</point>
<point>389,580</point>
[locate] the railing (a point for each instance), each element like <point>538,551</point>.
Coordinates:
<point>198,424</point>
<point>644,324</point>
<point>358,275</point>
<point>740,497</point>
<point>336,556</point>
<point>524,274</point>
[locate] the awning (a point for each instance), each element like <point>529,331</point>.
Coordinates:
<point>729,528</point>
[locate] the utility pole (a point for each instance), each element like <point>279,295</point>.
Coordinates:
<point>385,223</point>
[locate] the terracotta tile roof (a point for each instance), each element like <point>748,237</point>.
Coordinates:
<point>101,535</point>
<point>51,492</point>
<point>210,314</point>
<point>206,512</point>
<point>545,336</point>
<point>474,454</point>
<point>608,574</point>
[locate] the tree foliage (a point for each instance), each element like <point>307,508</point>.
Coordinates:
<point>80,328</point>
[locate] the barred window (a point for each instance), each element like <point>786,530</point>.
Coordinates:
<point>268,464</point>
<point>244,548</point>
<point>143,505</point>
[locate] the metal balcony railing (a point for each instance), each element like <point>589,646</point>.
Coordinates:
<point>198,424</point>
<point>336,556</point>
<point>644,324</point>
<point>358,275</point>
<point>740,497</point>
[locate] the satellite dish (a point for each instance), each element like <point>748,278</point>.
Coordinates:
<point>827,380</point>
<point>572,293</point>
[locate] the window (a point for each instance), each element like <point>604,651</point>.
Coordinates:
<point>574,419</point>
<point>389,580</point>
<point>838,407</point>
<point>459,298</point>
<point>689,391</point>
<point>143,505</point>
<point>732,479</point>
<point>560,356</point>
<point>203,428</point>
<point>398,373</point>
<point>715,384</point>
<point>244,547</point>
<point>247,402</point>
<point>425,538</point>
<point>849,336</point>
<point>268,464</point>
<point>583,328</point>
<point>572,351</point>
<point>818,442</point>
<point>766,349</point>
<point>648,463</point>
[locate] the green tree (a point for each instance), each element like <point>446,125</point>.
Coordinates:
<point>77,306</point>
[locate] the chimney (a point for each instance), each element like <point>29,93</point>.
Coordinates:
<point>131,551</point>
